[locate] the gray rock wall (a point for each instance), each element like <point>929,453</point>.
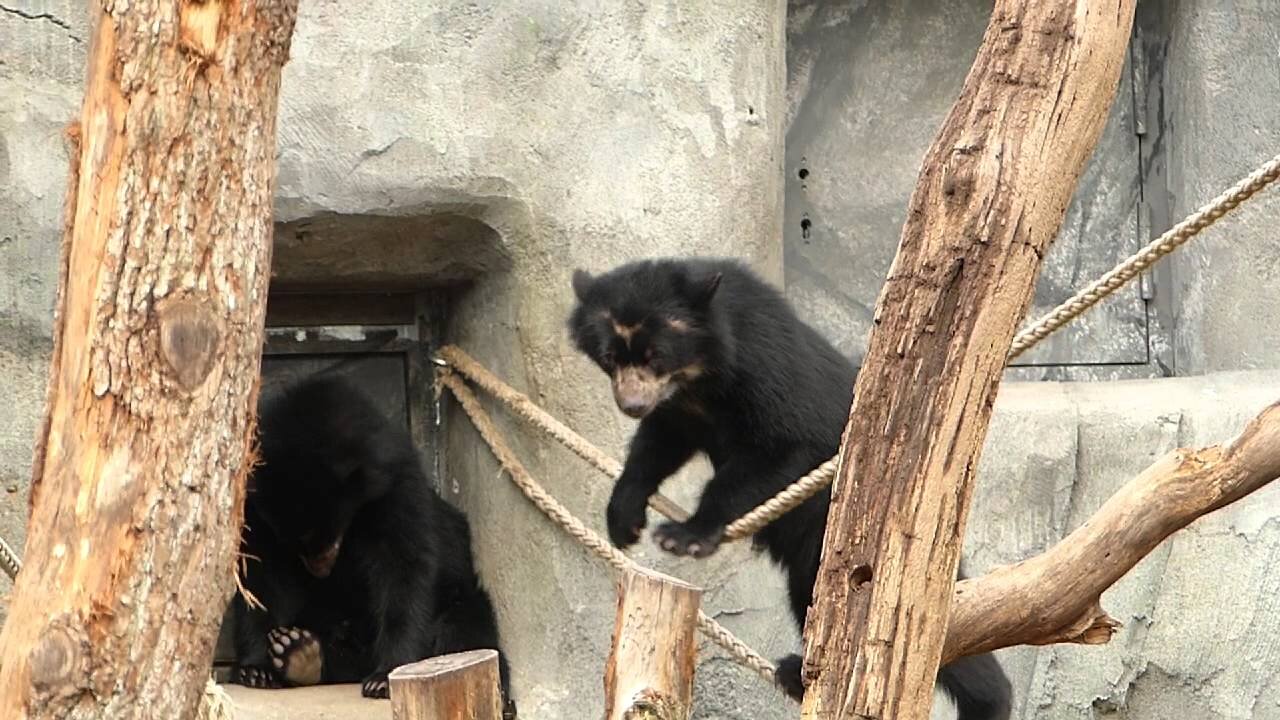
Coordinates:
<point>868,84</point>
<point>1222,94</point>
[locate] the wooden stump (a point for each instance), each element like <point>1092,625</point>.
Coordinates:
<point>461,686</point>
<point>649,675</point>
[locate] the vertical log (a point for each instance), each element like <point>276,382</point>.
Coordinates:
<point>462,685</point>
<point>992,193</point>
<point>649,675</point>
<point>138,488</point>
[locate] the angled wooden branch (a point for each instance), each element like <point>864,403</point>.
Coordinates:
<point>1054,597</point>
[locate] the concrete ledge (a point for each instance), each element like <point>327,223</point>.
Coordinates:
<point>323,702</point>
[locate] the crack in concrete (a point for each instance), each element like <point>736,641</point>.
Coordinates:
<point>47,17</point>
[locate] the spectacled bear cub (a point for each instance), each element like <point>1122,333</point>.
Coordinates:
<point>711,359</point>
<point>361,566</point>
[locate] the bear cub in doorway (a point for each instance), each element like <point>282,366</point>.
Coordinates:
<point>360,565</point>
<point>709,358</point>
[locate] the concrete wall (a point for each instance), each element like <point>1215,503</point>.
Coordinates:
<point>1201,617</point>
<point>868,84</point>
<point>533,138</point>
<point>1220,84</point>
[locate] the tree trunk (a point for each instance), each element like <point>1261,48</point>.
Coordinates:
<point>1055,596</point>
<point>138,490</point>
<point>994,188</point>
<point>649,674</point>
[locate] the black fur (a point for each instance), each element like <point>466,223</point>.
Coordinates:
<point>766,400</point>
<point>402,586</point>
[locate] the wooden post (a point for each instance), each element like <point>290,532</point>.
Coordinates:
<point>992,193</point>
<point>461,686</point>
<point>649,675</point>
<point>137,492</point>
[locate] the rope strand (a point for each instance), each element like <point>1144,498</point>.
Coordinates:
<point>1172,239</point>
<point>520,404</point>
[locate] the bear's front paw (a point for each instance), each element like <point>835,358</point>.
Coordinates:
<point>625,518</point>
<point>296,655</point>
<point>680,539</point>
<point>256,677</point>
<point>376,686</point>
<point>787,675</point>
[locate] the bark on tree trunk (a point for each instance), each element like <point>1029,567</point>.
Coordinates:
<point>994,188</point>
<point>138,493</point>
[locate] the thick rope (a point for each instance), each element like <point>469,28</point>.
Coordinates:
<point>749,524</point>
<point>1171,240</point>
<point>9,560</point>
<point>215,703</point>
<point>520,404</point>
<point>561,515</point>
<point>790,498</point>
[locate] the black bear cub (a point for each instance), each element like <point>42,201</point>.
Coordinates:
<point>360,565</point>
<point>712,359</point>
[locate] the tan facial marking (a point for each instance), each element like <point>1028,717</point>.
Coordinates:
<point>689,372</point>
<point>679,325</point>
<point>625,331</point>
<point>638,390</point>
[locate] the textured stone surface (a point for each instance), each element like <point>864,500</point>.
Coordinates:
<point>855,140</point>
<point>1222,81</point>
<point>1199,613</point>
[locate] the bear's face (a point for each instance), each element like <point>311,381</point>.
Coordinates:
<point>306,506</point>
<point>325,454</point>
<point>646,325</point>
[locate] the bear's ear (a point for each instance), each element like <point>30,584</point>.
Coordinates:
<point>702,288</point>
<point>582,282</point>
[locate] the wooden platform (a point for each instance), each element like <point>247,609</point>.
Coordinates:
<point>323,702</point>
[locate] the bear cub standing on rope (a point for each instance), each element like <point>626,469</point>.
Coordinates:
<point>712,359</point>
<point>361,566</point>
